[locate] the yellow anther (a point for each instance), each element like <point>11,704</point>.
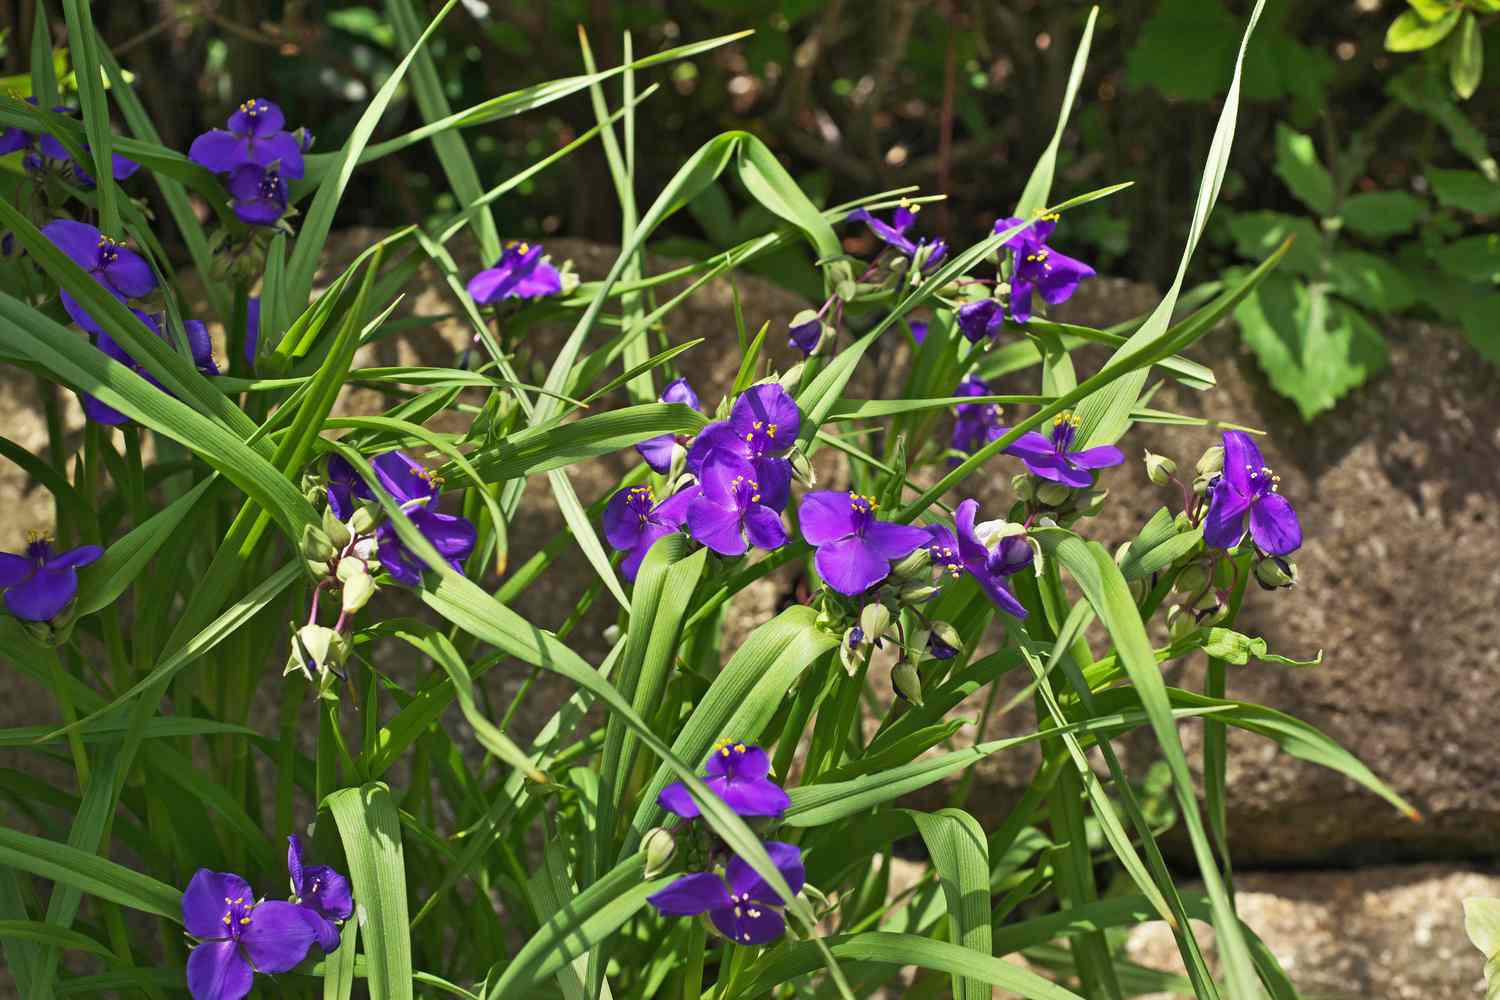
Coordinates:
<point>226,920</point>
<point>244,920</point>
<point>739,748</point>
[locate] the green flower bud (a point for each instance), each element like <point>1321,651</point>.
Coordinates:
<point>1023,486</point>
<point>1192,580</point>
<point>907,682</point>
<point>815,898</point>
<point>349,567</point>
<point>914,565</point>
<point>1182,523</point>
<point>1276,573</point>
<point>1159,469</point>
<point>1208,609</point>
<point>317,651</point>
<point>874,620</point>
<point>1053,494</point>
<point>657,846</point>
<point>1139,588</point>
<point>366,517</point>
<point>338,533</point>
<point>948,636</point>
<point>612,634</point>
<point>801,467</point>
<point>852,652</point>
<point>1212,462</point>
<point>841,277</point>
<point>1121,553</point>
<point>1091,502</point>
<point>315,546</point>
<point>916,592</point>
<point>357,592</point>
<point>1180,623</point>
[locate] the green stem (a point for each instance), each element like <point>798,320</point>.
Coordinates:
<point>692,973</point>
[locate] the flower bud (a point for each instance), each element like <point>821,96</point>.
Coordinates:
<point>841,276</point>
<point>358,590</point>
<point>1122,553</point>
<point>1091,502</point>
<point>1208,609</point>
<point>916,592</point>
<point>657,846</point>
<point>801,467</point>
<point>791,378</point>
<point>1139,588</point>
<point>366,516</point>
<point>317,651</point>
<point>612,634</point>
<point>907,682</point>
<point>852,651</point>
<point>914,565</point>
<point>678,461</point>
<point>366,548</point>
<point>1192,580</point>
<point>335,529</point>
<point>1053,494</point>
<point>1276,573</point>
<point>805,331</point>
<point>873,621</point>
<point>315,546</point>
<point>815,897</point>
<point>1180,624</point>
<point>1023,486</point>
<point>1212,462</point>
<point>944,643</point>
<point>1159,469</point>
<point>349,567</point>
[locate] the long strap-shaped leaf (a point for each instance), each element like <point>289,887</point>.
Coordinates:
<point>371,831</point>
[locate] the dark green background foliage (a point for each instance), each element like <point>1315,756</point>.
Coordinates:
<point>1368,157</point>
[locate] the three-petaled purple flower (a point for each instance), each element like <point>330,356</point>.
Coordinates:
<point>741,904</point>
<point>1052,456</point>
<point>988,566</point>
<point>123,272</point>
<point>730,516</point>
<point>323,894</point>
<point>738,773</point>
<point>238,935</point>
<point>39,585</point>
<point>522,272</point>
<point>893,234</point>
<point>1247,486</point>
<point>657,451</point>
<point>855,549</point>
<point>981,319</point>
<point>763,425</point>
<point>416,488</point>
<point>634,521</point>
<point>257,194</point>
<point>256,136</point>
<point>974,424</point>
<point>1038,267</point>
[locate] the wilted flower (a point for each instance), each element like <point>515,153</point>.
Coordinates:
<point>763,425</point>
<point>805,331</point>
<point>258,194</point>
<point>1039,268</point>
<point>123,272</point>
<point>746,910</point>
<point>1247,486</point>
<point>1052,456</point>
<point>322,893</point>
<point>522,272</point>
<point>975,424</point>
<point>634,521</point>
<point>855,550</point>
<point>969,553</point>
<point>738,774</point>
<point>657,451</point>
<point>729,516</point>
<point>416,489</point>
<point>256,136</point>
<point>238,935</point>
<point>39,585</point>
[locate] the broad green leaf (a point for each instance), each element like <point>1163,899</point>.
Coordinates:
<point>1370,280</point>
<point>1257,234</point>
<point>1465,190</point>
<point>956,844</point>
<point>1299,168</point>
<point>370,829</point>
<point>1159,57</point>
<point>1410,32</point>
<point>1379,215</point>
<point>1473,258</point>
<point>87,871</point>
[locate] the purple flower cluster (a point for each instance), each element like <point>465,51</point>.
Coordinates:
<point>522,272</point>
<point>240,935</point>
<point>1039,268</point>
<point>416,489</point>
<point>38,584</point>
<point>257,156</point>
<point>43,152</point>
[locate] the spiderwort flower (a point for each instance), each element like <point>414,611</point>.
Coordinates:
<point>805,331</point>
<point>522,272</point>
<point>256,135</point>
<point>322,893</point>
<point>634,521</point>
<point>39,585</point>
<point>762,427</point>
<point>1247,486</point>
<point>893,234</point>
<point>989,567</point>
<point>200,348</point>
<point>738,774</point>
<point>257,194</point>
<point>855,550</point>
<point>123,272</point>
<point>1053,457</point>
<point>1038,267</point>
<point>43,149</point>
<point>981,319</point>
<point>974,424</point>
<point>729,516</point>
<point>416,489</point>
<point>238,935</point>
<point>741,904</point>
<point>657,451</point>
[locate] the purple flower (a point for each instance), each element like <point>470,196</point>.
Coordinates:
<point>989,567</point>
<point>1051,456</point>
<point>657,451</point>
<point>238,935</point>
<point>257,194</point>
<point>634,521</point>
<point>252,330</point>
<point>257,136</point>
<point>200,347</point>
<point>893,234</point>
<point>416,489</point>
<point>1247,486</point>
<point>1039,268</point>
<point>974,424</point>
<point>323,894</point>
<point>737,773</point>
<point>123,272</point>
<point>729,516</point>
<point>805,336</point>
<point>746,910</point>
<point>855,550</point>
<point>981,319</point>
<point>45,148</point>
<point>762,426</point>
<point>919,330</point>
<point>39,584</point>
<point>522,272</point>
<point>939,649</point>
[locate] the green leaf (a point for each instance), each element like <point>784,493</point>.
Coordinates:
<point>1379,215</point>
<point>1038,190</point>
<point>1257,234</point>
<point>1422,91</point>
<point>1370,280</point>
<point>1299,168</point>
<point>1465,190</point>
<point>90,873</point>
<point>1160,57</point>
<point>1314,349</point>
<point>956,844</point>
<point>371,832</point>
<point>1410,32</point>
<point>1482,924</point>
<point>1466,61</point>
<point>1473,258</point>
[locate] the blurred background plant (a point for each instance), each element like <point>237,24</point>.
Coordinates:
<point>1364,131</point>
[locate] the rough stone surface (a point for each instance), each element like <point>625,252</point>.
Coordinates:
<point>1383,933</point>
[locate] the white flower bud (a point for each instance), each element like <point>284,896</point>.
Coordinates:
<point>658,847</point>
<point>873,621</point>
